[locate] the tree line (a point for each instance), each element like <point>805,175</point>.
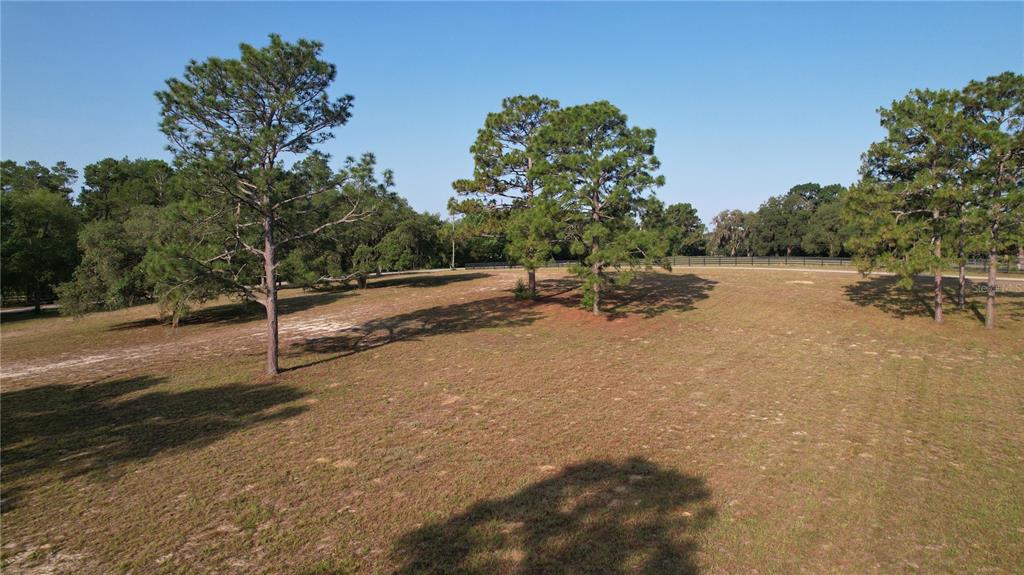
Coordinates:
<point>102,250</point>
<point>805,221</point>
<point>251,201</point>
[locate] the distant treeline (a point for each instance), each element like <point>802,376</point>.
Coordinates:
<point>805,221</point>
<point>91,251</point>
<point>102,249</point>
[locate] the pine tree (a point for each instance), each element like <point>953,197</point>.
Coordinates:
<point>599,169</point>
<point>910,182</point>
<point>504,185</point>
<point>230,123</point>
<point>994,109</point>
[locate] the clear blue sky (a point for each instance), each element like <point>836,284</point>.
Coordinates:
<point>748,99</point>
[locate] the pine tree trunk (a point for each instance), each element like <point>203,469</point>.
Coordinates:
<point>271,299</point>
<point>938,280</point>
<point>990,300</point>
<point>1020,259</point>
<point>531,279</point>
<point>961,294</point>
<point>35,299</point>
<point>596,271</point>
<point>596,268</point>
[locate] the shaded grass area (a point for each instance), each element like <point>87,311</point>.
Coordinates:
<point>648,295</point>
<point>715,422</point>
<point>98,428</point>
<point>238,312</point>
<point>884,293</point>
<point>424,280</point>
<point>241,312</point>
<point>20,315</point>
<point>247,311</point>
<point>595,517</point>
<point>501,312</point>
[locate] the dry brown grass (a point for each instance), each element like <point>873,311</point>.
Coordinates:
<point>715,421</point>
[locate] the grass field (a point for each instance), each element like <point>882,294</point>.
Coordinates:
<point>716,421</point>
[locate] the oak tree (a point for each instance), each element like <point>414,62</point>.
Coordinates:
<point>38,228</point>
<point>730,234</point>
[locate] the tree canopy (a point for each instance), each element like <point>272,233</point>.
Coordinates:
<point>39,227</point>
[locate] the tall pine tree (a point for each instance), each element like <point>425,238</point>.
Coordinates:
<point>504,185</point>
<point>231,122</point>
<point>599,170</point>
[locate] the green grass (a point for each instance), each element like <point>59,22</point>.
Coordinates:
<point>714,421</point>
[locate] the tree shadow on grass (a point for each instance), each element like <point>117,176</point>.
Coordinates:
<point>466,317</point>
<point>77,430</point>
<point>246,311</point>
<point>18,315</point>
<point>240,312</point>
<point>596,517</point>
<point>424,280</point>
<point>885,294</point>
<point>649,294</point>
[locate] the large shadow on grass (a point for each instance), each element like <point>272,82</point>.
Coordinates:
<point>596,517</point>
<point>77,430</point>
<point>648,295</point>
<point>247,311</point>
<point>885,294</point>
<point>466,317</point>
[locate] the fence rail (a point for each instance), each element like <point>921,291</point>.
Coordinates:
<point>11,298</point>
<point>973,265</point>
<point>759,261</point>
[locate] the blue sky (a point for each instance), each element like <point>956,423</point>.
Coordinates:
<point>748,98</point>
